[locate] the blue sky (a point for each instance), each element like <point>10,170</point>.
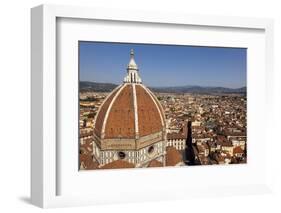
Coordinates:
<point>164,65</point>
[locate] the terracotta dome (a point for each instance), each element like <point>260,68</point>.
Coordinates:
<point>130,111</point>
<point>130,123</point>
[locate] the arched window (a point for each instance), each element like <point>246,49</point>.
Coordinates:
<point>134,77</point>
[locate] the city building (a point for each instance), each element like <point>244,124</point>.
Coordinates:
<point>130,127</point>
<point>178,139</point>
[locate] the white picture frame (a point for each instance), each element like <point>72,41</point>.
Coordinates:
<point>44,148</point>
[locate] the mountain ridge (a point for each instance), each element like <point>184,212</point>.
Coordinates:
<point>107,87</point>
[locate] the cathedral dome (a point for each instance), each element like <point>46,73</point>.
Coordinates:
<point>131,117</point>
<point>130,111</point>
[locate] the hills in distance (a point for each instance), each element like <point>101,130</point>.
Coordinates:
<point>87,86</point>
<point>97,87</point>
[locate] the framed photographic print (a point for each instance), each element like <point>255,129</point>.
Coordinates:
<point>131,106</point>
<point>128,125</point>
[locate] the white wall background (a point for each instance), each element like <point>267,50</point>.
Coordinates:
<point>15,103</point>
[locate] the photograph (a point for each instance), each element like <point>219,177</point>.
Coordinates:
<point>161,105</point>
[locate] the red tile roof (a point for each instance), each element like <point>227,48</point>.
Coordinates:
<point>173,156</point>
<point>149,118</point>
<point>88,163</point>
<point>238,150</point>
<point>118,164</point>
<point>155,163</point>
<point>120,122</point>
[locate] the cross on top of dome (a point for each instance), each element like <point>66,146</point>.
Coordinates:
<point>132,70</point>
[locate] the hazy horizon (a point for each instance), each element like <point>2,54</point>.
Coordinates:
<point>165,86</point>
<point>164,65</point>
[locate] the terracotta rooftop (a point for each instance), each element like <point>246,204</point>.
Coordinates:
<point>102,112</point>
<point>182,134</point>
<point>121,119</point>
<point>149,118</point>
<point>238,150</point>
<point>155,163</point>
<point>118,164</point>
<point>173,156</point>
<point>87,162</point>
<point>127,106</point>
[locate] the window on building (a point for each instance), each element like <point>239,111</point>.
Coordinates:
<point>150,149</point>
<point>121,155</point>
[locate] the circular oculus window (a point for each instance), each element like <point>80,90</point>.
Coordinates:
<point>151,150</point>
<point>121,155</point>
